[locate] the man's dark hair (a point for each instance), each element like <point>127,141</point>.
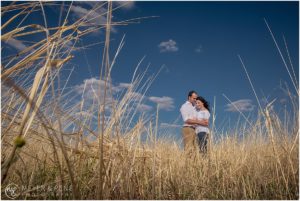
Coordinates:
<point>191,93</point>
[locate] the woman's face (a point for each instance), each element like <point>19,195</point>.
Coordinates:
<point>199,104</point>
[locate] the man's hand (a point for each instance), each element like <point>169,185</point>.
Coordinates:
<point>203,122</point>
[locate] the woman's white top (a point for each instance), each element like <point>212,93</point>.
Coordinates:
<point>202,114</point>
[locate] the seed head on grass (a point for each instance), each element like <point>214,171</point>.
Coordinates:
<point>19,141</point>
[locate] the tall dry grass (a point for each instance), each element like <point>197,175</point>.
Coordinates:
<point>46,159</point>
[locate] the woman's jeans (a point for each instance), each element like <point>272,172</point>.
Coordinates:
<point>202,141</point>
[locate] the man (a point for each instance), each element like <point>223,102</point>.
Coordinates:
<point>188,113</point>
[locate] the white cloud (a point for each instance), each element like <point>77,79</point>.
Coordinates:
<point>88,3</point>
<point>199,49</point>
<point>283,100</point>
<point>97,17</point>
<point>89,89</point>
<point>167,125</point>
<point>144,108</point>
<point>136,96</point>
<point>125,85</point>
<point>85,114</point>
<point>19,45</point>
<point>167,70</point>
<point>126,5</point>
<point>94,17</point>
<point>92,89</point>
<point>122,86</point>
<point>168,46</point>
<point>243,105</point>
<point>165,103</point>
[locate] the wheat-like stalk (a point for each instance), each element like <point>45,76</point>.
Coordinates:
<point>49,138</point>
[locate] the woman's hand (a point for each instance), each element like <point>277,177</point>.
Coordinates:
<point>203,122</point>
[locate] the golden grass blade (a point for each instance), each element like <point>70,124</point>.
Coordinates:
<point>11,19</point>
<point>258,102</point>
<point>130,159</point>
<point>297,90</point>
<point>290,60</point>
<point>30,58</point>
<point>238,110</point>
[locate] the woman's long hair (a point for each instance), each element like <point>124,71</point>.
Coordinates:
<point>205,103</point>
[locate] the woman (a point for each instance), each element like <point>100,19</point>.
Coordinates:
<point>203,113</point>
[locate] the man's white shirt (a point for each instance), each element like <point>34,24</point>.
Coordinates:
<point>188,111</point>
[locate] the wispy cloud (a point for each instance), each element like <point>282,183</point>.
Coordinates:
<point>96,17</point>
<point>283,100</point>
<point>199,49</point>
<point>90,88</point>
<point>126,5</point>
<point>85,114</point>
<point>87,3</point>
<point>243,105</point>
<point>168,46</point>
<point>167,125</point>
<point>96,13</point>
<point>93,90</point>
<point>144,108</point>
<point>17,44</point>
<point>167,70</point>
<point>122,86</point>
<point>165,103</point>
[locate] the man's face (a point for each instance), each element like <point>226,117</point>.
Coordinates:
<point>193,98</point>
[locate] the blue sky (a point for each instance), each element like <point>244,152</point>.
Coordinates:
<point>198,44</point>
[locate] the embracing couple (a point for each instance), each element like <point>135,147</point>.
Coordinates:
<point>195,113</point>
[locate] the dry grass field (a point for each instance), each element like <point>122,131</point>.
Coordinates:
<point>42,159</point>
